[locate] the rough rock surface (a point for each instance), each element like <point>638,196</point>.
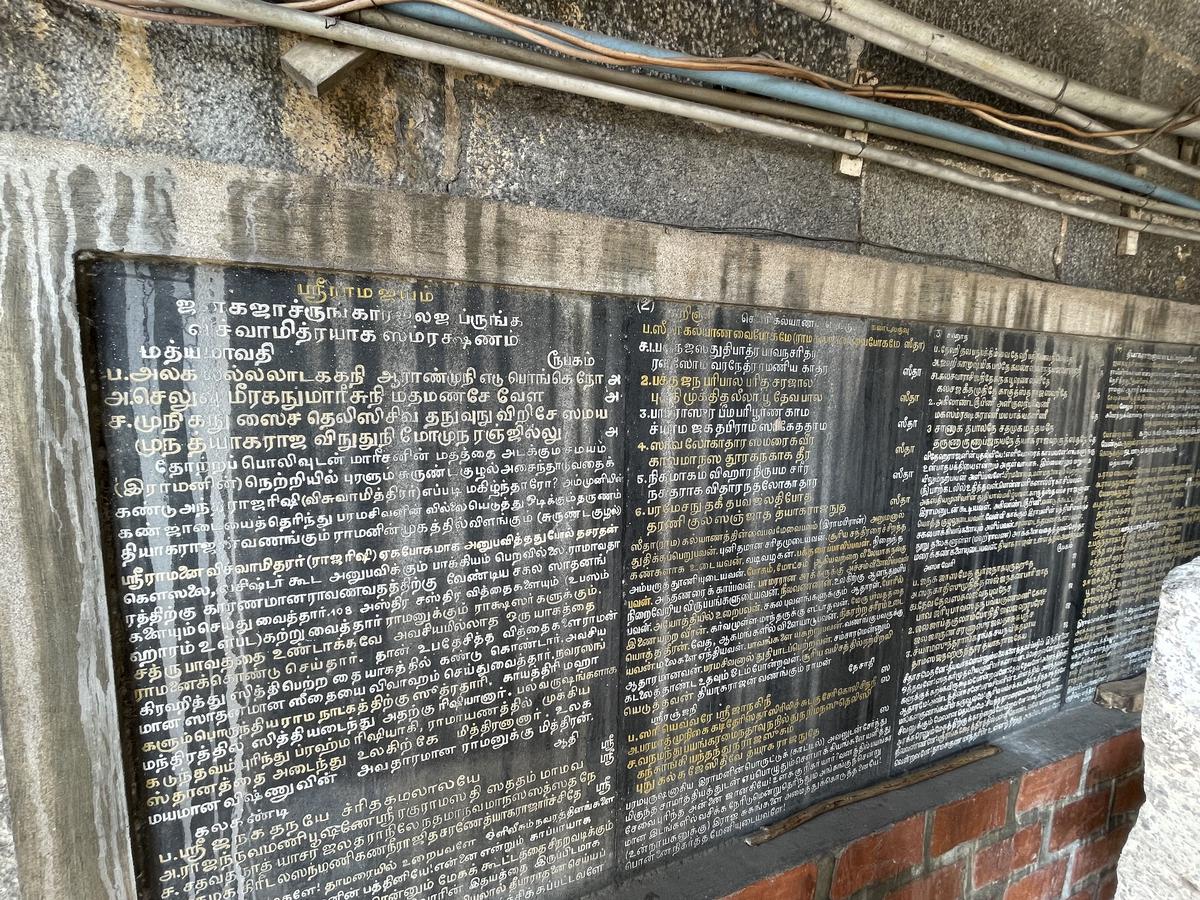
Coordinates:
<point>8,861</point>
<point>70,71</point>
<point>1162,858</point>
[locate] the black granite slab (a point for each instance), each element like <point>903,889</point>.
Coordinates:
<point>427,589</point>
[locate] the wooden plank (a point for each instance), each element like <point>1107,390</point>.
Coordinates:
<point>1125,695</point>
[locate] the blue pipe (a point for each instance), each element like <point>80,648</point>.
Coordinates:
<point>828,100</point>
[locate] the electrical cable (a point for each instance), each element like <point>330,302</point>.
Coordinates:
<point>496,16</point>
<point>537,32</point>
<point>549,37</point>
<point>388,42</point>
<point>1137,201</point>
<point>881,38</point>
<point>150,15</point>
<point>749,103</point>
<point>1027,168</point>
<point>832,101</point>
<point>947,45</point>
<point>985,67</point>
<point>1184,117</point>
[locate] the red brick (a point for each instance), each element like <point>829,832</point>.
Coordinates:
<point>993,863</point>
<point>1108,888</point>
<point>1079,819</point>
<point>968,819</point>
<point>1050,783</point>
<point>1027,843</point>
<point>1115,757</point>
<point>944,884</point>
<point>799,883</point>
<point>1129,794</point>
<point>1093,857</point>
<point>1089,894</point>
<point>1040,885</point>
<point>878,857</point>
<point>997,861</point>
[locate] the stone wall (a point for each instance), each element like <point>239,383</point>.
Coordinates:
<point>61,199</point>
<point>1162,859</point>
<point>219,95</point>
<point>8,857</point>
<point>1055,831</point>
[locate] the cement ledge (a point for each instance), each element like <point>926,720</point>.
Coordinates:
<point>731,865</point>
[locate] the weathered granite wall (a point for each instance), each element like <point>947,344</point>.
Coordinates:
<point>62,198</point>
<point>219,95</point>
<point>1162,858</point>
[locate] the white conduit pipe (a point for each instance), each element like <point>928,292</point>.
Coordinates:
<point>939,42</point>
<point>264,13</point>
<point>751,103</point>
<point>873,33</point>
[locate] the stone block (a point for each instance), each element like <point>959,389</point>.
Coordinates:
<point>1124,695</point>
<point>319,66</point>
<point>1162,858</point>
<point>8,857</point>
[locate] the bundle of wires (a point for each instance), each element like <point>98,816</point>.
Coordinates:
<point>559,40</point>
<point>760,91</point>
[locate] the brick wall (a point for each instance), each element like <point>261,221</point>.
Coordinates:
<point>1054,832</point>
